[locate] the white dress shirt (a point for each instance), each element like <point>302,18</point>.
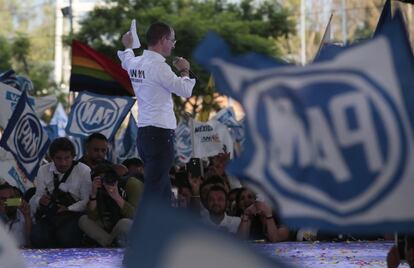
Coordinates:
<point>153,82</point>
<point>229,223</point>
<point>78,184</point>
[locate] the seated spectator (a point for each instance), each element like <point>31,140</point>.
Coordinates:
<point>216,206</point>
<point>258,220</point>
<point>135,168</point>
<point>112,205</point>
<point>62,192</point>
<point>16,213</point>
<point>203,190</point>
<point>96,148</point>
<point>184,195</point>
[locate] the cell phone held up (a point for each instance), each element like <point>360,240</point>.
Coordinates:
<point>194,167</point>
<point>13,202</point>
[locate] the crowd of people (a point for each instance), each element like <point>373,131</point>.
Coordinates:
<point>91,202</point>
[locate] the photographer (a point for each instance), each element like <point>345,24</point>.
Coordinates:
<point>111,205</point>
<point>16,214</point>
<point>62,191</point>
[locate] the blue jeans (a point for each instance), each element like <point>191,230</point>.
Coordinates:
<point>156,149</point>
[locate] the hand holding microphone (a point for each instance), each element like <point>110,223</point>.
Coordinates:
<point>182,65</point>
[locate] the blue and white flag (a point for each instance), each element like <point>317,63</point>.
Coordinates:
<point>385,17</point>
<point>9,97</point>
<point>93,112</point>
<point>9,171</point>
<point>126,145</point>
<point>183,145</point>
<point>171,238</point>
<point>60,120</point>
<point>79,143</point>
<point>25,137</point>
<point>331,144</point>
<point>227,116</point>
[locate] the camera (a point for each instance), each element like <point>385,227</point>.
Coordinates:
<point>110,178</point>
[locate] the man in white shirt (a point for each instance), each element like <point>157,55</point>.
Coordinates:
<point>154,81</point>
<point>216,206</point>
<point>62,192</point>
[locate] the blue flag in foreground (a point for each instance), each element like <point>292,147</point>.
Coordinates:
<point>164,237</point>
<point>25,137</point>
<point>331,144</point>
<point>93,112</point>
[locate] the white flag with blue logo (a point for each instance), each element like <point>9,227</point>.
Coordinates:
<point>25,137</point>
<point>210,138</point>
<point>9,97</point>
<point>183,145</point>
<point>93,112</point>
<point>331,144</point>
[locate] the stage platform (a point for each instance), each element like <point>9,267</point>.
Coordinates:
<point>298,254</point>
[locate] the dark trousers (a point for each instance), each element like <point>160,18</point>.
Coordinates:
<point>58,232</point>
<point>156,149</point>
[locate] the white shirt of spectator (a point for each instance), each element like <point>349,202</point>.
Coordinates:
<point>229,223</point>
<point>153,81</point>
<point>78,184</point>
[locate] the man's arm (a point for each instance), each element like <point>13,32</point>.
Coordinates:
<point>181,86</point>
<point>127,55</point>
<point>85,187</point>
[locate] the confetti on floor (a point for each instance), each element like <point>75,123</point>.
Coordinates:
<point>298,254</point>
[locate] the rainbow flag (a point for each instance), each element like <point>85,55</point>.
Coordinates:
<point>93,71</point>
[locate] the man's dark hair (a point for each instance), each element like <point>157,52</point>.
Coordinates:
<point>133,162</point>
<point>217,188</point>
<point>61,144</point>
<point>5,186</point>
<point>156,32</point>
<point>95,136</point>
<point>106,169</point>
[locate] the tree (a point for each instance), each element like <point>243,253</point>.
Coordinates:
<point>247,26</point>
<point>5,54</point>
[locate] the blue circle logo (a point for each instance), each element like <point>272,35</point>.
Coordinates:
<point>96,115</point>
<point>28,138</point>
<point>336,142</point>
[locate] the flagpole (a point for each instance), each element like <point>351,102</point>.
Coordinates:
<point>303,32</point>
<point>326,35</point>
<point>344,23</point>
<point>192,136</point>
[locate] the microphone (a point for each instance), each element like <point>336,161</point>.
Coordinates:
<point>175,61</point>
